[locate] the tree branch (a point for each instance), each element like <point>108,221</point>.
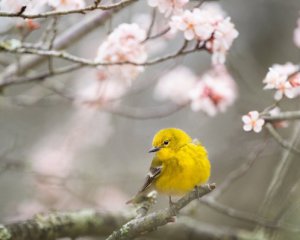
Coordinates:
<point>285,144</point>
<point>84,61</point>
<point>65,224</point>
<point>151,222</point>
<point>238,172</point>
<point>292,115</point>
<point>89,8</point>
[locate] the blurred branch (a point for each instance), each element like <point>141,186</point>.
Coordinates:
<point>63,224</point>
<point>151,222</point>
<point>187,228</point>
<point>146,113</point>
<point>43,76</point>
<point>238,172</point>
<point>285,144</point>
<point>279,174</point>
<point>292,115</point>
<point>211,202</point>
<point>247,216</point>
<point>89,8</point>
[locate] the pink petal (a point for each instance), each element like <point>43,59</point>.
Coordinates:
<point>260,122</point>
<point>247,127</point>
<point>246,119</point>
<point>257,128</point>
<point>254,115</point>
<point>189,35</point>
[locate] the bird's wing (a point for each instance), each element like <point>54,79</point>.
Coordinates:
<point>151,176</point>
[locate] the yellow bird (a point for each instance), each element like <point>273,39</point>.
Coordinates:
<point>179,165</point>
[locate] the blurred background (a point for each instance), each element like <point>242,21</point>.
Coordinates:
<point>57,155</point>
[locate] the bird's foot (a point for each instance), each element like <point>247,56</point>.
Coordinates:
<point>172,207</point>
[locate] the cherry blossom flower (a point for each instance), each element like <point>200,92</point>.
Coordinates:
<point>252,121</point>
<point>294,79</point>
<point>176,85</point>
<point>221,41</point>
<point>124,44</point>
<point>168,7</point>
<point>65,5</point>
<point>284,79</point>
<point>194,24</point>
<point>297,34</point>
<point>210,27</point>
<point>215,91</point>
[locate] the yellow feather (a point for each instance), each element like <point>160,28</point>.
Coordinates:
<point>184,163</point>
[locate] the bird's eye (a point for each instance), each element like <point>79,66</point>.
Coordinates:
<point>166,142</point>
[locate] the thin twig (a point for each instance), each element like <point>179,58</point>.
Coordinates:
<point>285,144</point>
<point>246,216</point>
<point>279,174</point>
<point>147,113</point>
<point>72,58</point>
<point>42,76</point>
<point>292,115</point>
<point>159,34</point>
<point>238,172</point>
<point>151,24</point>
<point>89,8</point>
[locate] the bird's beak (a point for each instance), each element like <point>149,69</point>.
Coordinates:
<point>154,149</point>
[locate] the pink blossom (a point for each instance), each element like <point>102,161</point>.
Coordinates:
<point>252,121</point>
<point>124,44</point>
<point>208,25</point>
<point>294,79</point>
<point>215,91</point>
<point>221,41</point>
<point>215,10</point>
<point>176,85</point>
<point>284,79</point>
<point>167,7</point>
<point>194,24</point>
<point>297,34</point>
<point>65,5</point>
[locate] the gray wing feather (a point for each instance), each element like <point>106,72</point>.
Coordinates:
<point>153,174</point>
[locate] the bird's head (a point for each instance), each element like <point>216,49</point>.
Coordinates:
<point>167,141</point>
